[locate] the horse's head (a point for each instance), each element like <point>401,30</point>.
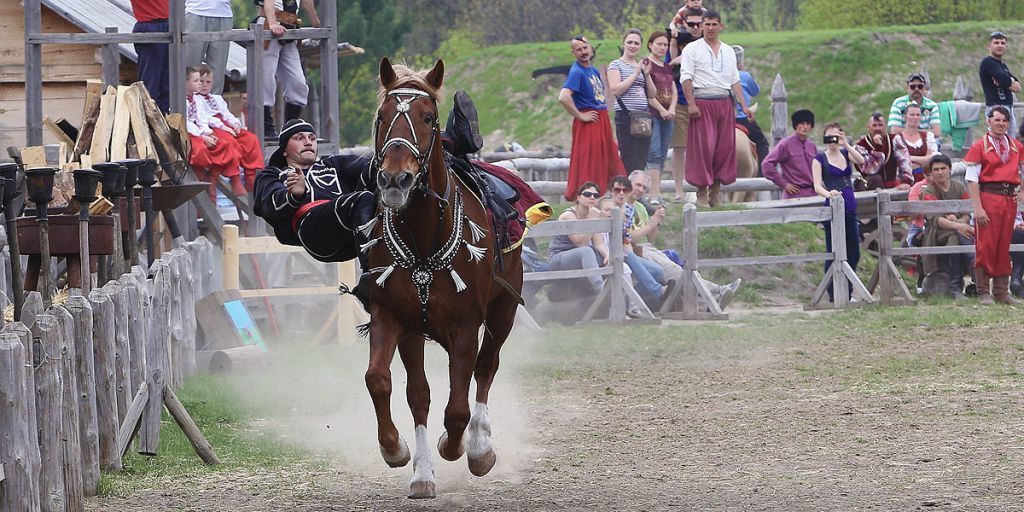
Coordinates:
<point>406,130</point>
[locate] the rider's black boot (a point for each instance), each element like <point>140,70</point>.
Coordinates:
<point>463,127</point>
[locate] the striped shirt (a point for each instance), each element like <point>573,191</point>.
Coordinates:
<point>635,97</point>
<point>929,113</point>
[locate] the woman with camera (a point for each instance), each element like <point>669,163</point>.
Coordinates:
<point>831,171</point>
<point>628,78</point>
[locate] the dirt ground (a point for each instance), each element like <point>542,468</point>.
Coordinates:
<point>870,410</point>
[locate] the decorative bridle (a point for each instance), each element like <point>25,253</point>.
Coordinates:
<point>403,255</point>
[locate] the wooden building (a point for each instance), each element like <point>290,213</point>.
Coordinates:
<point>66,67</point>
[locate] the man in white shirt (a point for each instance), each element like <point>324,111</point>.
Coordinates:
<point>711,82</point>
<point>209,16</point>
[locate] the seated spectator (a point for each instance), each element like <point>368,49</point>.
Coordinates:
<point>645,226</point>
<point>648,275</point>
<point>228,127</point>
<point>918,145</point>
<point>210,155</point>
<point>750,89</point>
<point>580,250</point>
<point>884,167</point>
<point>946,229</point>
<point>929,121</point>
<point>788,164</point>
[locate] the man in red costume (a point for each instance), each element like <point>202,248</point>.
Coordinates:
<point>994,168</point>
<point>595,156</point>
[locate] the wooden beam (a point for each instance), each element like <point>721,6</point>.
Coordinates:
<point>20,450</point>
<point>33,156</point>
<point>111,61</point>
<point>189,427</point>
<point>161,132</point>
<point>292,292</point>
<point>132,421</point>
<point>108,38</point>
<point>90,114</point>
<point>33,74</point>
<point>121,126</point>
<point>49,419</point>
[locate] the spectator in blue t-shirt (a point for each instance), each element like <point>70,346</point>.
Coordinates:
<point>594,156</point>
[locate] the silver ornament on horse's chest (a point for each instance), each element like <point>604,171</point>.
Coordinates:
<point>422,277</point>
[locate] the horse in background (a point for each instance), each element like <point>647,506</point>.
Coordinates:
<point>434,259</point>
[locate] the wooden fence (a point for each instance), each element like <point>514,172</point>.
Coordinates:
<point>617,288</point>
<point>840,275</point>
<point>890,285</point>
<point>345,317</point>
<point>79,380</point>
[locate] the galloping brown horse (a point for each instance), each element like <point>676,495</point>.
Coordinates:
<point>433,259</point>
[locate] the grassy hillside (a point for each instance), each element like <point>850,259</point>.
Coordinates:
<point>842,75</point>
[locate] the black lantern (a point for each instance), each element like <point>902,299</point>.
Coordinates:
<point>9,172</point>
<point>110,171</point>
<point>131,178</point>
<point>85,185</point>
<point>147,172</point>
<point>40,188</point>
<point>122,175</point>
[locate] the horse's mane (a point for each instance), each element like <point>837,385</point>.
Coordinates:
<point>408,77</point>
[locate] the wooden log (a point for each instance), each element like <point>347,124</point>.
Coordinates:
<point>71,445</point>
<point>88,428</point>
<point>33,307</point>
<point>130,426</point>
<point>237,359</point>
<point>136,332</point>
<point>176,122</point>
<point>139,126</point>
<point>100,144</point>
<point>157,357</point>
<point>121,126</point>
<point>49,412</point>
<point>840,286</point>
<point>191,430</point>
<point>19,444</point>
<point>90,115</point>
<point>176,376</point>
<point>122,349</point>
<point>105,353</point>
<point>33,156</point>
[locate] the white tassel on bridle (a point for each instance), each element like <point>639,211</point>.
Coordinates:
<point>476,253</point>
<point>385,275</point>
<point>366,247</point>
<point>367,229</point>
<point>460,285</point>
<point>477,231</point>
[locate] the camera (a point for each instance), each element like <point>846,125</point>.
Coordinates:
<point>831,139</point>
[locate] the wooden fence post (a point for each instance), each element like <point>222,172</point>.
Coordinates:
<point>188,312</point>
<point>49,414</point>
<point>111,66</point>
<point>71,442</point>
<point>19,444</point>
<point>884,240</point>
<point>690,234</point>
<point>105,350</point>
<point>157,358</point>
<point>840,286</point>
<point>81,312</point>
<point>230,273</point>
<point>122,353</point>
<point>617,311</point>
<point>33,307</point>
<point>780,110</point>
<point>175,376</point>
<point>136,331</point>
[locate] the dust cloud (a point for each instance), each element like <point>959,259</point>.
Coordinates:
<point>315,397</point>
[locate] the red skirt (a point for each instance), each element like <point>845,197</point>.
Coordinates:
<point>711,144</point>
<point>221,159</point>
<point>595,155</point>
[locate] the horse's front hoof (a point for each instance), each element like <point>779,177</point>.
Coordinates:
<point>442,449</point>
<point>482,465</point>
<point>401,458</point>
<point>422,491</point>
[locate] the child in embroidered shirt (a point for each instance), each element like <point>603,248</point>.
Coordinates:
<point>211,155</point>
<point>226,126</point>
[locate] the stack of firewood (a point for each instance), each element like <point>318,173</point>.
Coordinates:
<point>117,123</point>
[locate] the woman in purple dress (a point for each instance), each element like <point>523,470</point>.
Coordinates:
<point>832,171</point>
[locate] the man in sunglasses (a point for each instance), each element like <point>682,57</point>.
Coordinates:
<point>917,84</point>
<point>997,81</point>
<point>684,33</point>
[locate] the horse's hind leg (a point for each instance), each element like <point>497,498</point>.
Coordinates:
<point>479,446</point>
<point>461,356</point>
<point>417,392</point>
<point>378,381</point>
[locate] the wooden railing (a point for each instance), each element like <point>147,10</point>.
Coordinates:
<point>840,275</point>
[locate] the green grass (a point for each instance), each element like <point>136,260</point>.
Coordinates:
<point>842,75</point>
<point>224,421</point>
